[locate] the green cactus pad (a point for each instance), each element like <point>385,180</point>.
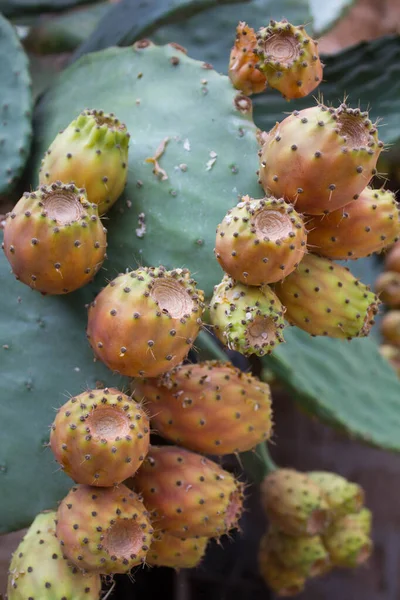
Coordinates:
<point>17,8</point>
<point>44,358</point>
<point>194,122</point>
<point>15,107</point>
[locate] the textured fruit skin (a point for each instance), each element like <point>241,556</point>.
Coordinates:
<point>100,437</point>
<point>343,496</point>
<point>242,61</point>
<point>289,59</point>
<point>348,540</point>
<point>104,530</point>
<point>392,260</point>
<point>179,553</point>
<point>306,554</point>
<point>324,298</point>
<point>320,158</point>
<point>91,152</point>
<point>145,322</point>
<point>38,568</point>
<point>390,327</point>
<point>54,239</point>
<point>188,495</point>
<point>209,407</point>
<point>387,286</point>
<point>294,503</point>
<point>260,241</point>
<point>367,225</point>
<point>283,581</point>
<point>247,319</point>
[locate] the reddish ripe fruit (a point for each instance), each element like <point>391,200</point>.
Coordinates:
<point>242,71</point>
<point>390,327</point>
<point>187,494</point>
<point>179,553</point>
<point>320,158</point>
<point>392,261</point>
<point>208,407</point>
<point>100,437</point>
<point>145,322</point>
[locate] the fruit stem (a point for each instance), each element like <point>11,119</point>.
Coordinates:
<point>206,343</point>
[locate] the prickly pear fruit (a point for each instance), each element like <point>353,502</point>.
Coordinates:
<point>306,554</point>
<point>208,407</point>
<point>392,260</point>
<point>347,540</point>
<point>392,354</point>
<point>187,494</point>
<point>247,319</point>
<point>320,158</point>
<point>242,62</point>
<point>54,239</point>
<point>100,437</point>
<point>368,225</point>
<point>179,553</point>
<point>104,530</point>
<point>324,298</point>
<point>294,503</point>
<point>91,152</point>
<point>390,327</point>
<point>343,496</point>
<point>289,59</point>
<point>38,568</point>
<point>282,580</point>
<point>387,286</point>
<point>260,241</point>
<point>145,322</point>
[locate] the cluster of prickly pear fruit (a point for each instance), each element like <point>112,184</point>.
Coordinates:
<point>317,522</point>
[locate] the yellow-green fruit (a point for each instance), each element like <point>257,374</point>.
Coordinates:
<point>348,540</point>
<point>40,571</point>
<point>282,580</point>
<point>306,554</point>
<point>245,318</point>
<point>179,553</point>
<point>343,496</point>
<point>91,152</point>
<point>362,519</point>
<point>260,241</point>
<point>324,298</point>
<point>294,503</point>
<point>387,286</point>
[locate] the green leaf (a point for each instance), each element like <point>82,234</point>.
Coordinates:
<point>129,21</point>
<point>348,385</point>
<point>368,73</point>
<point>326,14</point>
<point>45,357</point>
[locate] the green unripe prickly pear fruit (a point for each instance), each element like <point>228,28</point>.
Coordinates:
<point>324,298</point>
<point>242,61</point>
<point>320,158</point>
<point>260,241</point>
<point>247,319</point>
<point>343,496</point>
<point>294,503</point>
<point>54,239</point>
<point>348,540</point>
<point>387,286</point>
<point>306,554</point>
<point>289,59</point>
<point>143,323</point>
<point>282,580</point>
<point>91,152</point>
<point>179,553</point>
<point>39,569</point>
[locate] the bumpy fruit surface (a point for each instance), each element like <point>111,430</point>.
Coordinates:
<point>54,239</point>
<point>104,530</point>
<point>368,225</point>
<point>145,322</point>
<point>343,496</point>
<point>348,540</point>
<point>387,286</point>
<point>209,407</point>
<point>320,158</point>
<point>289,59</point>
<point>282,580</point>
<point>179,553</point>
<point>260,241</point>
<point>242,70</point>
<point>294,503</point>
<point>91,152</point>
<point>306,554</point>
<point>247,319</point>
<point>324,298</point>
<point>187,494</point>
<point>392,260</point>
<point>39,570</point>
<point>100,437</point>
